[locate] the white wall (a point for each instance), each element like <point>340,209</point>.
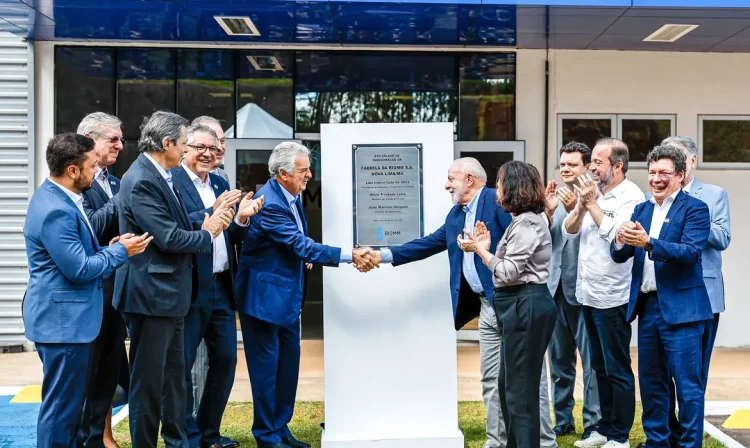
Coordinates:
<point>685,84</point>
<point>44,104</point>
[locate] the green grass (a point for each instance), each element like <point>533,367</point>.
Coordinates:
<point>308,415</point>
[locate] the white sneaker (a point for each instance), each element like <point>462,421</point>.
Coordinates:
<point>595,440</point>
<point>613,444</point>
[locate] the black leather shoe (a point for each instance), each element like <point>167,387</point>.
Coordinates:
<point>275,445</point>
<point>564,430</point>
<point>225,442</point>
<point>294,443</point>
<point>641,445</point>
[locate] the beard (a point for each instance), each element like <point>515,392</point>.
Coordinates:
<point>82,185</point>
<point>605,179</point>
<point>457,193</point>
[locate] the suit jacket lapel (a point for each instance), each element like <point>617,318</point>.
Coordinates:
<point>697,189</point>
<point>100,191</point>
<point>183,178</point>
<point>61,194</point>
<point>181,212</point>
<point>679,202</point>
<point>301,214</point>
<point>114,184</point>
<point>480,205</point>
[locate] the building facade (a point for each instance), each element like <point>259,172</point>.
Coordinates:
<point>517,79</point>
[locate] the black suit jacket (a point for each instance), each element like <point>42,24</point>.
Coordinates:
<point>158,282</point>
<point>102,214</point>
<point>196,213</point>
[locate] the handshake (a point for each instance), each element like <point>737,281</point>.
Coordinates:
<point>366,259</point>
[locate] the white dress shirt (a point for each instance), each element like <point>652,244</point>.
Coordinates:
<point>103,180</point>
<point>78,201</point>
<point>469,268</point>
<point>601,282</point>
<point>657,221</point>
<point>208,196</point>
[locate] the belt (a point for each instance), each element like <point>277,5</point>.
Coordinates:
<point>220,275</point>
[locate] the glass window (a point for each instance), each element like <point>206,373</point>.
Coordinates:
<point>84,83</point>
<point>145,84</point>
<point>584,128</point>
<point>336,87</point>
<point>487,97</point>
<point>491,162</point>
<point>266,96</point>
<point>724,139</point>
<point>205,85</point>
<point>643,132</point>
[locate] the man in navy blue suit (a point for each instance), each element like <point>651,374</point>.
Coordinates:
<point>269,289</point>
<point>110,358</point>
<point>666,236</point>
<point>154,290</point>
<point>211,316</point>
<point>471,283</point>
<point>63,306</point>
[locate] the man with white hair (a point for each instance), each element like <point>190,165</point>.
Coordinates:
<point>471,284</point>
<point>718,241</point>
<point>214,124</point>
<point>270,285</point>
<point>110,359</point>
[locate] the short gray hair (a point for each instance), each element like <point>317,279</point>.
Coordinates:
<point>159,126</point>
<point>206,119</point>
<point>94,122</point>
<point>470,165</point>
<point>618,151</point>
<point>284,156</point>
<point>192,129</point>
<point>682,142</point>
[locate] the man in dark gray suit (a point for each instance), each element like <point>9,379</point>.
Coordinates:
<point>154,290</point>
<point>570,329</point>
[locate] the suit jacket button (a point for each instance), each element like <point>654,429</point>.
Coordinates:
<point>191,265</point>
<point>100,287</point>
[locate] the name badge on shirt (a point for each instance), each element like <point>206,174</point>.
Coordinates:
<point>609,213</point>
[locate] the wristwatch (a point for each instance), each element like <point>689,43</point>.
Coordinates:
<point>649,247</point>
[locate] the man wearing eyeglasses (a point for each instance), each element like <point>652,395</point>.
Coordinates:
<point>214,124</point>
<point>110,359</point>
<point>211,316</point>
<point>664,240</point>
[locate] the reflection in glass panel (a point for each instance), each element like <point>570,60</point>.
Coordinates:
<point>585,130</point>
<point>126,158</point>
<point>84,83</point>
<point>266,102</point>
<point>252,169</point>
<point>487,97</point>
<point>491,162</point>
<point>642,135</point>
<point>373,88</point>
<point>726,141</point>
<point>205,85</point>
<point>145,84</point>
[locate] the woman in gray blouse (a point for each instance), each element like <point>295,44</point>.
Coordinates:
<point>523,304</point>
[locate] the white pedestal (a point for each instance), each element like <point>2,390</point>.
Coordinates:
<point>390,345</point>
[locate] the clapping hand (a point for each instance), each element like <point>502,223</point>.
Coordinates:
<point>219,220</point>
<point>134,244</point>
<point>633,234</point>
<point>248,207</point>
<point>551,200</point>
<point>568,197</point>
<point>365,259</point>
<point>229,197</point>
<point>588,191</point>
<point>479,239</point>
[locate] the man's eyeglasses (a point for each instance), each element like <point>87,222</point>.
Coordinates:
<point>113,139</point>
<point>213,149</point>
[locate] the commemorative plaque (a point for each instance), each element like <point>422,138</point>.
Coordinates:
<point>387,194</point>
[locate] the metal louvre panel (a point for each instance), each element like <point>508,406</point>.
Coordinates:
<point>14,185</point>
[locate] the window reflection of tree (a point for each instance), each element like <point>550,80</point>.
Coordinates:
<point>726,141</point>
